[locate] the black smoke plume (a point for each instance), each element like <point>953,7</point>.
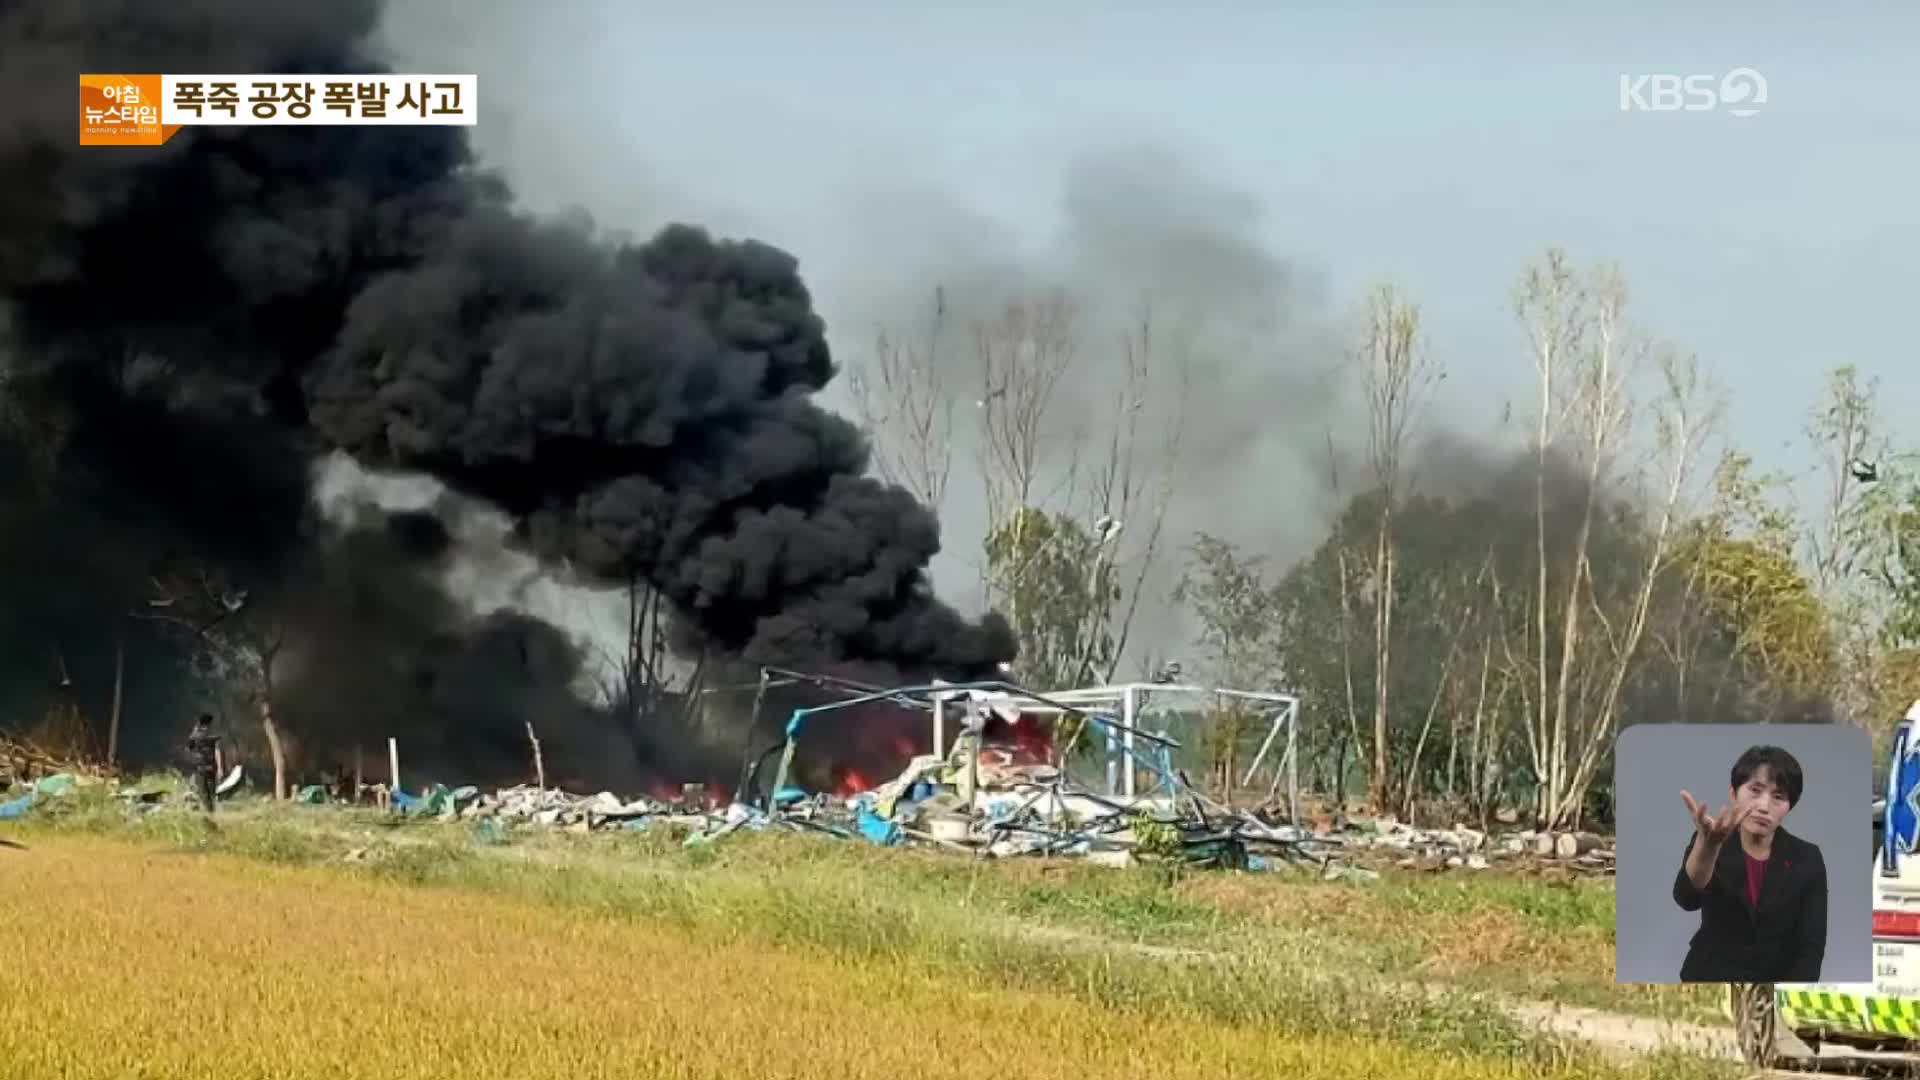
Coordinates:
<point>187,329</point>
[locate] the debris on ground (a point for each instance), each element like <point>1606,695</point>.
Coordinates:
<point>1461,847</point>
<point>1022,810</point>
<point>22,762</point>
<point>985,796</point>
<point>49,790</point>
<point>24,798</point>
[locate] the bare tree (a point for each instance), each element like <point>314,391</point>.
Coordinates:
<point>237,642</point>
<point>1841,427</point>
<point>1397,372</point>
<point>1024,354</point>
<point>904,401</point>
<point>1056,494</point>
<point>1586,357</point>
<point>1598,411</point>
<point>1843,430</point>
<point>1350,698</point>
<point>1552,306</point>
<point>1688,413</point>
<point>1137,488</point>
<point>1064,504</point>
<point>1491,690</point>
<point>642,667</point>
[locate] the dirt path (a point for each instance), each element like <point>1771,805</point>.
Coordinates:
<point>1620,1036</point>
<point>1624,1036</point>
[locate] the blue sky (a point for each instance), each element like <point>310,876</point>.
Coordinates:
<point>1441,147</point>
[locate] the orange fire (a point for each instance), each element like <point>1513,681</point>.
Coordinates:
<point>1027,740</point>
<point>851,782</point>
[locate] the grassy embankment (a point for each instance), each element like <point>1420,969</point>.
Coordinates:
<point>625,954</point>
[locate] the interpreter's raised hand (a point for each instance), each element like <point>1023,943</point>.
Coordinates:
<point>1714,828</point>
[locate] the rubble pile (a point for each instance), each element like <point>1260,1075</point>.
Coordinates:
<point>1465,848</point>
<point>22,798</point>
<point>23,762</point>
<point>993,807</point>
<point>998,809</point>
<point>980,801</point>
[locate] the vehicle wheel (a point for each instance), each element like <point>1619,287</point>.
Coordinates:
<point>1755,1023</point>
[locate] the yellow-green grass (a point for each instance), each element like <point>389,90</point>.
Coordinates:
<point>137,962</point>
<point>1485,931</point>
<point>1536,938</point>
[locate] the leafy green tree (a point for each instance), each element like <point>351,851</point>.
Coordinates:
<point>1240,628</point>
<point>1744,627</point>
<point>1055,580</point>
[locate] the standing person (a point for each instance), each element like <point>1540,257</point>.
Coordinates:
<point>1763,900</point>
<point>201,742</point>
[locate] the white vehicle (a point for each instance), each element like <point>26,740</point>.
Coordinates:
<point>1805,1024</point>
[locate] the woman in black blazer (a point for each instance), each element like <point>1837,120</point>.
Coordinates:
<point>1762,901</point>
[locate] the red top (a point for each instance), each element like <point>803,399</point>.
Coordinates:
<point>1756,872</point>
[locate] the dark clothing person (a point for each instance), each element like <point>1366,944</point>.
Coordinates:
<point>201,744</point>
<point>206,783</point>
<point>1761,920</point>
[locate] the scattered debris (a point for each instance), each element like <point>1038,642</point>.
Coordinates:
<point>24,762</point>
<point>982,797</point>
<point>1462,847</point>
<point>1023,810</point>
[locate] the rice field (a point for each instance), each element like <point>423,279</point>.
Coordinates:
<point>136,961</point>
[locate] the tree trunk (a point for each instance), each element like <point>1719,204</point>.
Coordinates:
<point>271,729</point>
<point>539,762</point>
<point>1340,773</point>
<point>1382,635</point>
<point>1426,728</point>
<point>1233,733</point>
<point>113,715</point>
<point>1574,844</point>
<point>1346,661</point>
<point>1453,750</point>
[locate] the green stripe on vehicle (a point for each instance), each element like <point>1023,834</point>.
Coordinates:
<point>1893,1016</point>
<point>1812,1008</point>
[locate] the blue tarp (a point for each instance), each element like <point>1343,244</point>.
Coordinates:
<point>876,828</point>
<point>57,784</point>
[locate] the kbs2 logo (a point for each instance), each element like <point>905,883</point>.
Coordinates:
<point>1741,92</point>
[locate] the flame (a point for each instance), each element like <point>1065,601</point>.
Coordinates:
<point>851,782</point>
<point>1027,740</point>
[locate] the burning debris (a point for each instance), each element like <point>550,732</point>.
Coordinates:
<point>999,788</point>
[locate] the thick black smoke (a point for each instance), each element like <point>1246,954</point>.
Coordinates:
<point>214,314</point>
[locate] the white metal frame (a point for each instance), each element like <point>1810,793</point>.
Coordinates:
<point>1128,696</point>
